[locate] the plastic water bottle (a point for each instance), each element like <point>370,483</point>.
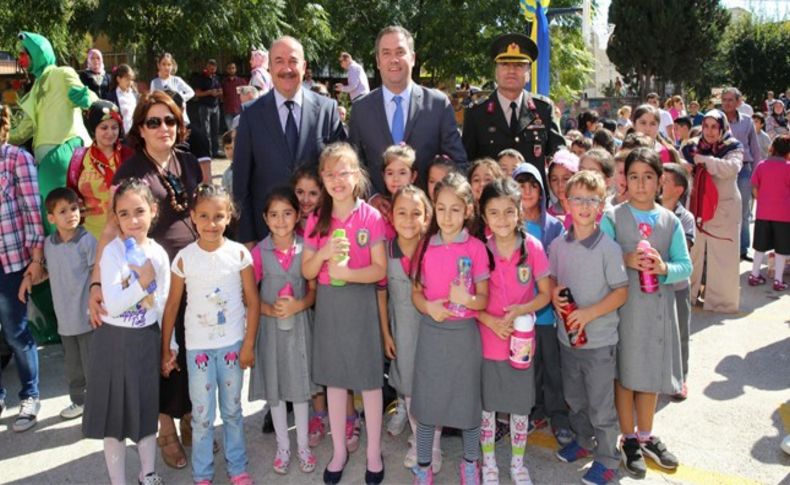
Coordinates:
<point>522,342</point>
<point>576,338</point>
<point>342,259</point>
<point>288,322</point>
<point>648,282</point>
<point>134,255</point>
<point>464,278</point>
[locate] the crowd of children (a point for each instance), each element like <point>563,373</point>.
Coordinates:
<point>492,296</point>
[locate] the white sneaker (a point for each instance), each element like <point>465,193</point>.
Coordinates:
<point>411,456</point>
<point>398,420</point>
<point>72,412</point>
<point>786,444</point>
<point>489,472</point>
<point>28,409</point>
<point>519,475</point>
<point>436,460</point>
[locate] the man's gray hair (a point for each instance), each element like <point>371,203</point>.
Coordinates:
<point>732,90</point>
<point>290,39</point>
<point>395,29</point>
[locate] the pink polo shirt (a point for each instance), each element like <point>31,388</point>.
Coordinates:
<point>440,263</point>
<point>284,257</point>
<point>511,284</point>
<point>364,229</point>
<point>771,178</point>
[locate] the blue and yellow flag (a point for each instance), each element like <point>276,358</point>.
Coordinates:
<point>535,11</point>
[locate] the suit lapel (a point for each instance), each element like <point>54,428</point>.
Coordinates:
<point>525,116</point>
<point>271,119</point>
<point>309,116</point>
<point>377,98</point>
<point>415,108</point>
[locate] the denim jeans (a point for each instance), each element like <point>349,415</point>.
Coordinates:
<point>13,320</point>
<point>209,124</point>
<point>212,371</point>
<point>745,188</point>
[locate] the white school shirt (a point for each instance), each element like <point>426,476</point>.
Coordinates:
<point>175,83</point>
<point>128,304</point>
<point>127,102</point>
<point>215,314</point>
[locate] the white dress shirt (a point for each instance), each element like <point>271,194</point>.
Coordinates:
<point>505,104</point>
<point>357,81</point>
<point>127,102</point>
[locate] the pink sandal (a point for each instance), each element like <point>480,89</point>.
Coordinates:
<point>756,280</point>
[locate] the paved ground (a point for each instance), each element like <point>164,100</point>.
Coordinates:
<point>728,431</point>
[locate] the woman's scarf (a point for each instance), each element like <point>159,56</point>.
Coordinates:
<point>95,52</point>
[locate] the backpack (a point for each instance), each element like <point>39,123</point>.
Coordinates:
<point>704,200</point>
<point>75,168</point>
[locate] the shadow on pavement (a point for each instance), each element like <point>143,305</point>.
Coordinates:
<point>756,370</point>
<point>766,449</point>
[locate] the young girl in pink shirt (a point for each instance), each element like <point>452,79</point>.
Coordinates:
<point>347,350</point>
<point>450,287</point>
<point>771,188</point>
<point>517,263</point>
<point>399,171</point>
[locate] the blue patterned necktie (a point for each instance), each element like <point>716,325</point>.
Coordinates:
<point>397,121</point>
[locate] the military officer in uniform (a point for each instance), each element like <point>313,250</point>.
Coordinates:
<point>511,117</point>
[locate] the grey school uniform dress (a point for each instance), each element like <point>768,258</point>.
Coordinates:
<point>648,353</point>
<point>282,370</point>
<point>347,350</point>
<point>404,320</point>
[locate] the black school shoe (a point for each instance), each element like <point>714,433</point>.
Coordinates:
<point>375,478</point>
<point>268,424</point>
<point>657,451</point>
<point>633,461</point>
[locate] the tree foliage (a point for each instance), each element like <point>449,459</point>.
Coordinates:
<point>669,40</point>
<point>755,57</point>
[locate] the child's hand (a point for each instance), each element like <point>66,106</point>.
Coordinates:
<point>459,295</point>
<point>339,246</point>
<point>96,306</point>
<point>389,347</point>
<point>247,358</point>
<point>437,310</point>
<point>579,318</point>
<point>501,327</point>
<point>169,363</point>
<point>633,260</point>
<point>558,301</point>
<point>651,259</point>
<point>338,271</point>
<point>145,273</point>
<point>25,288</point>
<point>286,306</point>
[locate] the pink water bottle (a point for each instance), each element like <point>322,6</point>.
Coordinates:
<point>648,282</point>
<point>522,342</point>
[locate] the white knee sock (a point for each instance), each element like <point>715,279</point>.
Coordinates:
<point>115,457</point>
<point>146,448</point>
<point>300,418</point>
<point>779,266</point>
<point>280,421</point>
<point>758,261</point>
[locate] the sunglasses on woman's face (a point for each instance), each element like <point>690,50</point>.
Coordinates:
<point>155,122</point>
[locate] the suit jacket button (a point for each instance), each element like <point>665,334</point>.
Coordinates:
<point>516,139</point>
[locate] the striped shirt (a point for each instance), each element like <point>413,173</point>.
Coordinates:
<point>20,208</point>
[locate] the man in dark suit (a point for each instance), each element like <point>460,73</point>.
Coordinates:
<point>402,111</point>
<point>286,127</point>
<point>512,117</point>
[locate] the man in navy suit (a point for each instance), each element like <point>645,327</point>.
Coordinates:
<point>402,111</point>
<point>285,128</point>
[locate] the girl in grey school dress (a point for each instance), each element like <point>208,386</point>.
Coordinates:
<point>446,388</point>
<point>283,349</point>
<point>648,352</point>
<point>347,351</point>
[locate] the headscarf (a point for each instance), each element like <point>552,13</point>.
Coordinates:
<point>259,56</point>
<point>95,52</point>
<point>99,111</point>
<point>780,118</point>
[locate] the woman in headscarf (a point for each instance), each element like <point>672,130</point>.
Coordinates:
<point>776,123</point>
<point>94,76</point>
<point>259,76</point>
<point>717,158</point>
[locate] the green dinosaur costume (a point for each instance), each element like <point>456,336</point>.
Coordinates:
<point>51,115</point>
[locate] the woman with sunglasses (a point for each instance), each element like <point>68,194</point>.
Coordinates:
<point>158,126</point>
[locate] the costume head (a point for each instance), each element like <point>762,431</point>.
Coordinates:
<point>39,50</point>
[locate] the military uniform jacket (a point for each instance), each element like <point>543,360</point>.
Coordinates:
<point>487,131</point>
